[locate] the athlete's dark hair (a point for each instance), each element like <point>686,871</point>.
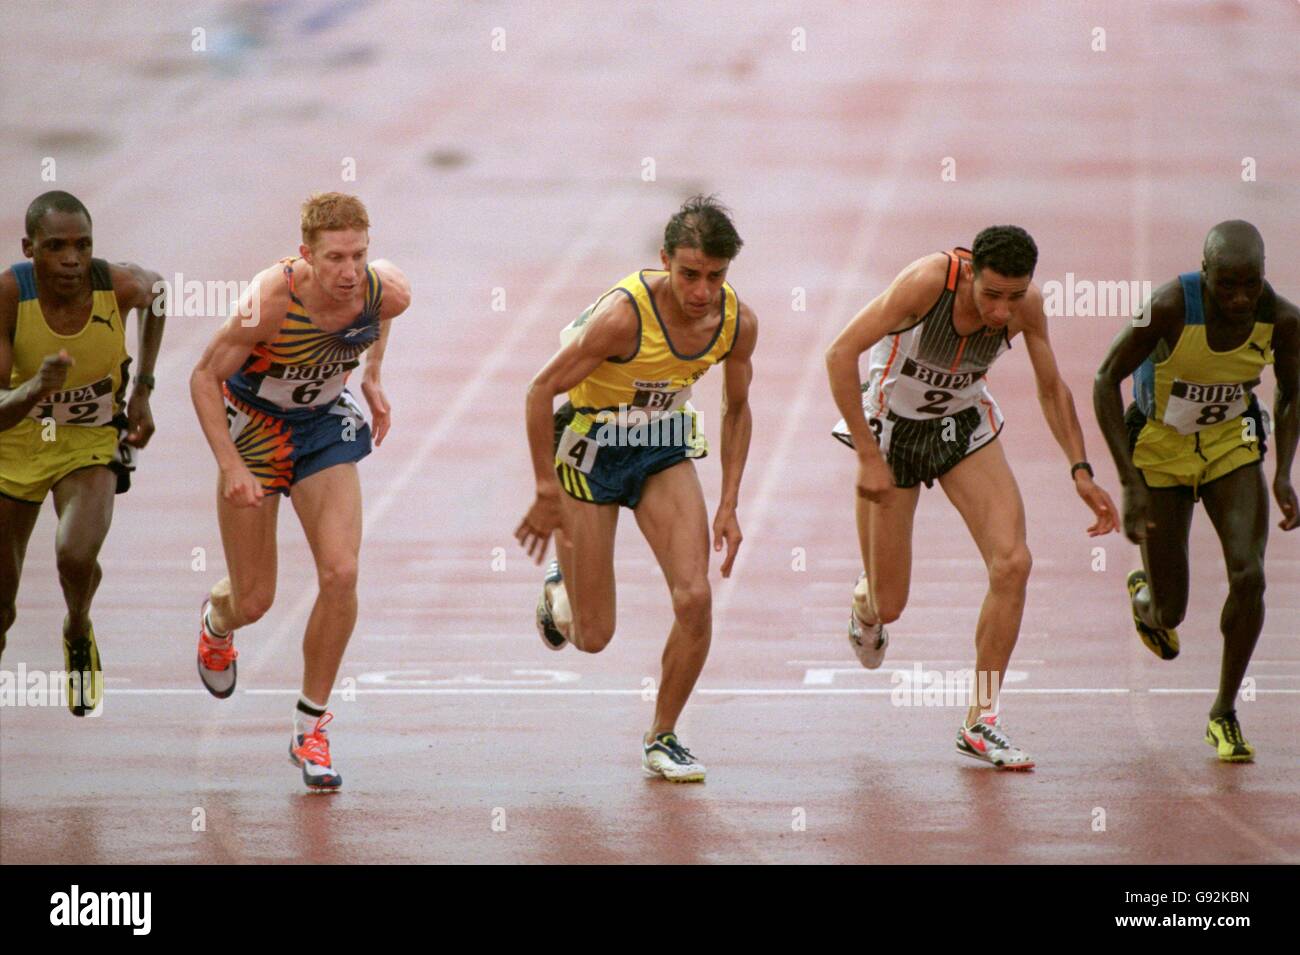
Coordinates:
<point>1006,249</point>
<point>703,223</point>
<point>47,202</point>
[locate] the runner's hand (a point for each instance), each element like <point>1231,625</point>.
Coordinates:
<point>535,530</point>
<point>1095,496</point>
<point>1286,500</point>
<point>53,373</point>
<point>380,409</point>
<point>240,488</point>
<point>727,529</point>
<point>1137,513</point>
<point>874,477</point>
<point>139,420</point>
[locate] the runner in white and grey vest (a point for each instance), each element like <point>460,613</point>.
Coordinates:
<point>925,397</point>
<point>925,414</point>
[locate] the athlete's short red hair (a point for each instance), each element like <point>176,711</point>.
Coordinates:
<point>331,212</point>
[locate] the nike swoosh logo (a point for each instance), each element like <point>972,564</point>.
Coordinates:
<point>976,742</point>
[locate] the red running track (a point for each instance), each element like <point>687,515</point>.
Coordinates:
<point>515,176</point>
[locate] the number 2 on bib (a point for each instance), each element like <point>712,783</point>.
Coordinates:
<point>937,402</point>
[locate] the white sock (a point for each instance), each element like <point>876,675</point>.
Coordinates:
<point>213,631</point>
<point>304,723</point>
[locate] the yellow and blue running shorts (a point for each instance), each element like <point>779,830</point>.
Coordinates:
<point>605,464</point>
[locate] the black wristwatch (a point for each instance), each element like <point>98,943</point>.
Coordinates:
<point>146,380</point>
<point>1081,466</point>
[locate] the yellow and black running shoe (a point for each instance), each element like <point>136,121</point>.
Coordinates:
<point>84,673</point>
<point>1224,734</point>
<point>1163,643</point>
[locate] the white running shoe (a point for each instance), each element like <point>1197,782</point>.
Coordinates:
<point>987,741</point>
<point>668,758</point>
<point>217,655</point>
<point>311,751</point>
<point>868,642</point>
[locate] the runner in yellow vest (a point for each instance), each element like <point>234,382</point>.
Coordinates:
<point>1196,432</point>
<point>627,437</point>
<point>66,425</point>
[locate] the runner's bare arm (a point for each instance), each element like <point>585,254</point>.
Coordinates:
<point>609,332</point>
<point>737,426</point>
<point>1054,395</point>
<point>140,289</point>
<point>16,403</point>
<point>1286,413</point>
<point>397,298</point>
<point>1130,348</point>
<point>255,319</point>
<point>1057,402</point>
<point>908,297</point>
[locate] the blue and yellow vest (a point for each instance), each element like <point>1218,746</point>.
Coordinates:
<point>656,379</point>
<point>1196,390</point>
<point>94,391</point>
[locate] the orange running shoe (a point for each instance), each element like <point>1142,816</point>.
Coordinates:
<point>216,659</point>
<point>311,751</point>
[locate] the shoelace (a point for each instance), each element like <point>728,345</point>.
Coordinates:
<point>315,748</point>
<point>678,752</point>
<point>217,655</point>
<point>1231,728</point>
<point>995,734</point>
<point>79,656</point>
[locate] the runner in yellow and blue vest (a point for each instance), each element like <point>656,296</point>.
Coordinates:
<point>628,437</point>
<point>67,427</point>
<point>1195,431</point>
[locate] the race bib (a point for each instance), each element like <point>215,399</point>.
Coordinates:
<point>920,391</point>
<point>90,405</point>
<point>577,450</point>
<point>304,386</point>
<point>1192,407</point>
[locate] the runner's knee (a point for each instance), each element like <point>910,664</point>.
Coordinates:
<point>693,604</point>
<point>887,609</point>
<point>253,606</point>
<point>338,575</point>
<point>592,636</point>
<point>75,566</point>
<point>1246,581</point>
<point>1011,569</point>
<point>1168,605</point>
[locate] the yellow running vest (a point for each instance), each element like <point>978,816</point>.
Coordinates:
<point>657,379</point>
<point>94,391</point>
<point>1196,390</point>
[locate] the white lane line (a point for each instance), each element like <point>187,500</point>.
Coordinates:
<point>707,691</point>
